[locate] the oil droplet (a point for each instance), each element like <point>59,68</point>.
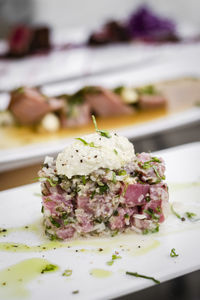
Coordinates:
<point>183,185</point>
<point>13,279</point>
<point>100,273</point>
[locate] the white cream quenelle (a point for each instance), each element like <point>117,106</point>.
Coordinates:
<point>92,152</point>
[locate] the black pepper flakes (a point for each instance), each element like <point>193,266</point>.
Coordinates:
<point>95,156</point>
<point>182,219</point>
<point>81,160</point>
<point>100,249</point>
<point>76,150</point>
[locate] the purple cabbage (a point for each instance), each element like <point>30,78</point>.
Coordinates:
<point>145,24</point>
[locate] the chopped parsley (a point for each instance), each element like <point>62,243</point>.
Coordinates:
<point>151,213</point>
<point>114,233</point>
<point>83,180</point>
<point>154,230</point>
<point>52,183</point>
<point>54,222</point>
<point>176,214</point>
<point>173,253</point>
<point>103,188</point>
<point>75,292</point>
<point>143,276</point>
<point>122,173</point>
<point>114,180</point>
<point>67,273</point>
<point>147,90</point>
<point>147,198</point>
<point>190,215</point>
<point>49,268</point>
<point>92,194</point>
<point>104,133</point>
<point>114,257</point>
<point>91,144</point>
<point>115,151</point>
<point>156,172</point>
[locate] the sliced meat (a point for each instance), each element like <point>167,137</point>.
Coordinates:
<point>152,101</point>
<point>76,115</point>
<point>135,194</point>
<point>28,105</point>
<point>106,103</point>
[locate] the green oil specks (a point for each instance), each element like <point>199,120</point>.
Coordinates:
<point>18,247</point>
<point>100,273</point>
<point>184,185</point>
<point>13,279</point>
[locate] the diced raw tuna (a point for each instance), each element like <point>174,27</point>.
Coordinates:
<point>77,207</point>
<point>135,194</point>
<point>106,103</point>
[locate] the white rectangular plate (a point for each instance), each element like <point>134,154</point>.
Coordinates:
<point>145,254</point>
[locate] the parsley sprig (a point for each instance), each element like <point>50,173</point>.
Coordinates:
<point>173,253</point>
<point>49,268</point>
<point>143,276</point>
<point>104,133</point>
<point>114,257</point>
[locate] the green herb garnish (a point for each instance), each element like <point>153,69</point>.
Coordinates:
<point>54,222</point>
<point>173,253</point>
<point>104,133</point>
<point>91,144</point>
<point>154,230</point>
<point>49,268</point>
<point>52,183</point>
<point>122,173</point>
<point>151,213</point>
<point>190,215</point>
<point>75,292</point>
<point>67,273</point>
<point>92,195</point>
<point>156,172</point>
<point>114,233</point>
<point>114,257</point>
<point>175,213</point>
<point>143,276</point>
<point>103,188</point>
<point>114,180</point>
<point>148,90</point>
<point>83,180</point>
<point>115,151</point>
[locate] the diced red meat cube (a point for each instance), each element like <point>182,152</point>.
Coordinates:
<point>135,194</point>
